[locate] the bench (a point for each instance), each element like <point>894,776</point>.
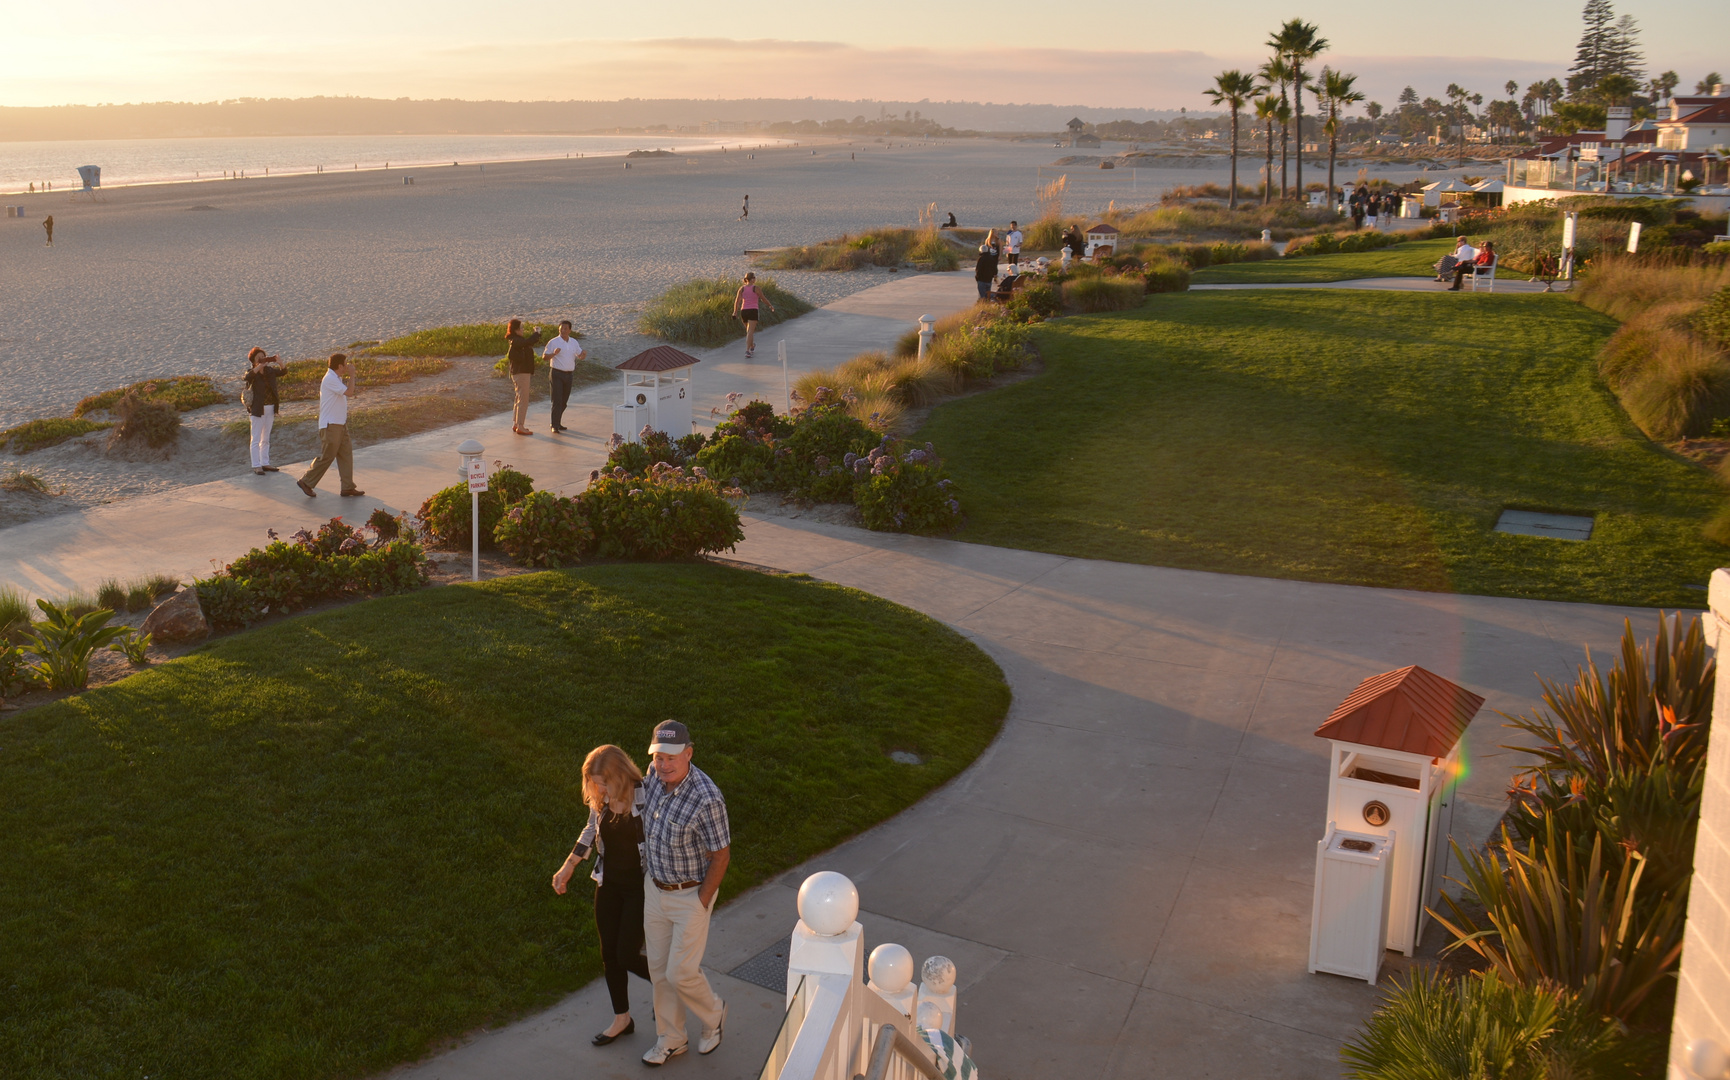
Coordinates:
<point>1485,273</point>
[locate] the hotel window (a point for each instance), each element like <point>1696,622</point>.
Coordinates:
<point>1672,139</point>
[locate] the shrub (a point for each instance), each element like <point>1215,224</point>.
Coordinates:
<point>134,645</point>
<point>1327,243</point>
<point>636,457</point>
<point>152,421</point>
<point>1481,1025</point>
<point>1165,276</point>
<point>387,525</point>
<point>745,460</point>
<point>1103,294</point>
<point>226,601</point>
<point>1036,302</point>
<point>288,574</point>
<point>14,675</point>
<point>1624,286</point>
<point>448,514</point>
<point>670,513</point>
<point>811,463</point>
<point>980,343</point>
<point>183,393</point>
<point>1680,390</point>
<point>1712,321</point>
<point>882,247</point>
<point>544,529</point>
<point>700,312</point>
<point>60,645</point>
<point>934,252</point>
<point>41,434</point>
<point>904,490</point>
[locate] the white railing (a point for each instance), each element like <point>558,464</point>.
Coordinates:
<point>837,1026</point>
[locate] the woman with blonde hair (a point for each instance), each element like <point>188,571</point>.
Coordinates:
<point>613,788</point>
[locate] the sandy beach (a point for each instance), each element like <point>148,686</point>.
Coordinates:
<point>184,278</point>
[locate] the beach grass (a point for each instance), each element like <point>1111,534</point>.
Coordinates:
<point>1366,438</point>
<point>16,611</point>
<point>24,483</point>
<point>40,434</point>
<point>323,847</point>
<point>301,379</point>
<point>700,312</point>
<point>184,392</point>
<point>1414,258</point>
<point>473,339</point>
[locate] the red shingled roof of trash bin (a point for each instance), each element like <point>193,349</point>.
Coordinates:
<point>1410,710</point>
<point>659,358</point>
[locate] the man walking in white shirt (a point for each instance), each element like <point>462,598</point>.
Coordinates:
<point>1012,246</point>
<point>561,355</point>
<point>333,441</point>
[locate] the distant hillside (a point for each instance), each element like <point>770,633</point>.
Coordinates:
<point>377,116</point>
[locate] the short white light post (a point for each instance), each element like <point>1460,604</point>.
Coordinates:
<point>786,387</point>
<point>474,470</point>
<point>926,333</point>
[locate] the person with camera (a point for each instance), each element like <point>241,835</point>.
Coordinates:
<point>262,403</point>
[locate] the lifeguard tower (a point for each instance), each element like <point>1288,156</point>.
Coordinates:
<point>657,393</point>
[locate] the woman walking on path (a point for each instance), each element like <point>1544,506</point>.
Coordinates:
<point>261,405</point>
<point>613,788</point>
<point>745,308</point>
<point>522,363</point>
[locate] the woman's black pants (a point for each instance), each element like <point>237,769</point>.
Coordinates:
<point>619,920</point>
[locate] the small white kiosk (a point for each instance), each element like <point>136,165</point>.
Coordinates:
<point>1395,758</point>
<point>1101,239</point>
<point>657,385</point>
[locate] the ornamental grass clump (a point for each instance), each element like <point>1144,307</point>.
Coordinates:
<point>700,312</point>
<point>1104,294</point>
<point>336,561</point>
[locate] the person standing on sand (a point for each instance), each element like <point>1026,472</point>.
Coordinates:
<point>745,308</point>
<point>261,405</point>
<point>333,440</point>
<point>746,212</point>
<point>521,358</point>
<point>985,270</point>
<point>561,355</point>
<point>48,225</point>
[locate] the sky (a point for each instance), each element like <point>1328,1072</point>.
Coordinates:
<point>1140,54</point>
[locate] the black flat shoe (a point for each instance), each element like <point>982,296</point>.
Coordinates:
<point>630,1029</point>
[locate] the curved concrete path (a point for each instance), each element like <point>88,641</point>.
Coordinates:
<point>1124,877</point>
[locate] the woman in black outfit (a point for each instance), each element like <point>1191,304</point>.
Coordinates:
<point>261,404</point>
<point>522,364</point>
<point>613,788</point>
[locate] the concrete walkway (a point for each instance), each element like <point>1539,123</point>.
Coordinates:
<point>1124,877</point>
<point>185,531</point>
<point>1389,284</point>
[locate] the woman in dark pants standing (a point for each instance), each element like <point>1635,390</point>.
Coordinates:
<point>613,788</point>
<point>522,364</point>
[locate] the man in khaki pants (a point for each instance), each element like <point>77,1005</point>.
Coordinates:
<point>686,844</point>
<point>333,441</point>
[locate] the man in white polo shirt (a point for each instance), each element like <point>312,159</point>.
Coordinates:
<point>333,441</point>
<point>1012,246</point>
<point>561,355</point>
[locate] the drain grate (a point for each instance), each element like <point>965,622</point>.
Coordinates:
<point>1555,526</point>
<point>768,968</point>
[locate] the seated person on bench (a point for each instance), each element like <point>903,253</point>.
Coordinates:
<point>1006,287</point>
<point>1484,258</point>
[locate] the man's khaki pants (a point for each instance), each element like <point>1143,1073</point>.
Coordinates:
<point>675,933</point>
<point>333,445</point>
<point>520,414</point>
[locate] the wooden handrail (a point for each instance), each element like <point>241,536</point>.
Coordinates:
<point>891,1043</point>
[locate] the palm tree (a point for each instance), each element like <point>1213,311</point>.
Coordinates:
<point>1337,91</point>
<point>1267,110</point>
<point>1278,73</point>
<point>1299,42</point>
<point>1232,89</point>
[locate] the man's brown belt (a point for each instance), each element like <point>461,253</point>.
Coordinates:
<point>664,887</point>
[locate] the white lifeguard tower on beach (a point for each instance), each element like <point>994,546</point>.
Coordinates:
<point>657,393</point>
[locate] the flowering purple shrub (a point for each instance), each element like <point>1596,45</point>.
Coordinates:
<point>672,512</point>
<point>904,489</point>
<point>809,461</point>
<point>545,530</point>
<point>448,514</point>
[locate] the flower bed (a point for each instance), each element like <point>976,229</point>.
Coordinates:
<point>337,560</point>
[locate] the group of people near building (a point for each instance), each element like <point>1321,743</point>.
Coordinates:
<point>660,844</point>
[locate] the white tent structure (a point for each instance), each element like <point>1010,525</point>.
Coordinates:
<point>1452,186</point>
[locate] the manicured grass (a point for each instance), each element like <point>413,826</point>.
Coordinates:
<point>1361,437</point>
<point>319,848</point>
<point>1414,258</point>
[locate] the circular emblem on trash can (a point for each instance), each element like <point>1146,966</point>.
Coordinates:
<point>642,399</point>
<point>1376,813</point>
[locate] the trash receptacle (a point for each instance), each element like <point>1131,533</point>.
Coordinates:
<point>1349,917</point>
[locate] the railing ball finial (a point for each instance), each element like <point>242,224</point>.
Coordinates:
<point>828,903</point>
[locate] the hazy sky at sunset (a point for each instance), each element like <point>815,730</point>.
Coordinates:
<point>1084,52</point>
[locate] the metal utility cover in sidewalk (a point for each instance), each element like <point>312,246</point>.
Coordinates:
<point>1555,526</point>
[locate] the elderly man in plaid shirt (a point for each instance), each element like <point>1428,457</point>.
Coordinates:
<point>686,843</point>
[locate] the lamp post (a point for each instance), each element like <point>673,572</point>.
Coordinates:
<point>474,470</point>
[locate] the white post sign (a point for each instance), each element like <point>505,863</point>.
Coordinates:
<point>1633,237</point>
<point>477,484</point>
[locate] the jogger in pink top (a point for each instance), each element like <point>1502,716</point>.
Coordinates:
<point>746,303</point>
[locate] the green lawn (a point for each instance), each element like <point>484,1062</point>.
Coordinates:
<point>1371,438</point>
<point>1414,258</point>
<point>319,848</point>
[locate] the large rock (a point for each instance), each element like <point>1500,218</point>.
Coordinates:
<point>178,618</point>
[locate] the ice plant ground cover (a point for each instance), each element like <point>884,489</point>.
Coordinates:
<point>321,847</point>
<point>1368,438</point>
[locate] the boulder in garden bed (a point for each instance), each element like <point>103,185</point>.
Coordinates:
<point>178,618</point>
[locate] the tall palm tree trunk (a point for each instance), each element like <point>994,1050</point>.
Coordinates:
<point>1267,177</point>
<point>1231,203</point>
<point>1297,93</point>
<point>1284,154</point>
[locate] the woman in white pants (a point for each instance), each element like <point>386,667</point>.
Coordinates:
<point>261,403</point>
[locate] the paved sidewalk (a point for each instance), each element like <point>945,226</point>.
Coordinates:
<point>185,531</point>
<point>1391,284</point>
<point>1124,877</point>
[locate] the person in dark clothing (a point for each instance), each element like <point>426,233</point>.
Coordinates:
<point>48,226</point>
<point>613,788</point>
<point>985,270</point>
<point>261,405</point>
<point>1076,243</point>
<point>1486,257</point>
<point>950,224</point>
<point>521,358</point>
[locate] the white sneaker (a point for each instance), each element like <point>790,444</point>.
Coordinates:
<point>660,1052</point>
<point>711,1037</point>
